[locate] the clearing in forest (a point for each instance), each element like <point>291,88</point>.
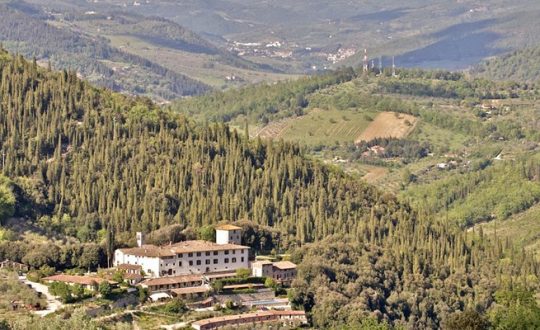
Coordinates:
<point>388,124</point>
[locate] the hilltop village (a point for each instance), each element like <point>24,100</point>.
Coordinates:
<point>218,279</point>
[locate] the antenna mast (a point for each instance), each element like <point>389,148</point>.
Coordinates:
<point>365,61</point>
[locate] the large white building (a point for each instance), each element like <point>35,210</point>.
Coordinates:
<point>189,257</point>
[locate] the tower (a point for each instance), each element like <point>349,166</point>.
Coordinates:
<point>394,66</point>
<point>365,61</point>
<point>140,239</point>
<point>380,65</point>
<point>228,234</point>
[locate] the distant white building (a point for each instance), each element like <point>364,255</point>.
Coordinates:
<point>189,257</point>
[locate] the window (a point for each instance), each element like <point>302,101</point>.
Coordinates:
<point>207,253</point>
<point>191,262</point>
<point>190,254</point>
<point>226,260</point>
<point>207,261</point>
<point>180,263</point>
<point>233,260</point>
<point>215,261</point>
<point>242,259</point>
<point>198,254</point>
<point>180,255</point>
<point>215,253</point>
<point>226,251</point>
<point>198,262</point>
<point>233,251</point>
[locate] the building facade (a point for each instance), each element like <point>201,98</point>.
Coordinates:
<point>189,257</point>
<point>282,271</point>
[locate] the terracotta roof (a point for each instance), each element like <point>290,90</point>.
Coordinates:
<point>261,262</point>
<point>182,247</point>
<point>76,279</point>
<point>197,289</point>
<point>284,265</point>
<point>171,280</point>
<point>247,316</point>
<point>129,267</point>
<point>130,276</point>
<point>228,227</point>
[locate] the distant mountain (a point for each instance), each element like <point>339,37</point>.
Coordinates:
<point>24,29</point>
<point>520,65</point>
<point>420,33</point>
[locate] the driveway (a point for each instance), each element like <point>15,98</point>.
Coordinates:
<point>53,304</point>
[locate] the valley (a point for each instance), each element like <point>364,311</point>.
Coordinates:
<point>238,165</point>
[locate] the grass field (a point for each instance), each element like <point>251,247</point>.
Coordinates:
<point>440,139</point>
<point>388,124</point>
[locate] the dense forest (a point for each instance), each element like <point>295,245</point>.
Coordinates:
<point>23,30</point>
<point>93,167</point>
<point>103,159</point>
<point>262,103</point>
<point>519,65</point>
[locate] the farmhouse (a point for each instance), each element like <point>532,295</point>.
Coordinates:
<point>281,271</point>
<point>189,257</point>
<point>293,318</point>
<point>89,282</point>
<point>131,273</point>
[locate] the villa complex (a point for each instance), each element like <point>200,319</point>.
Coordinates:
<point>189,257</point>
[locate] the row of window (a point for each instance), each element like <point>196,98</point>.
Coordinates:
<point>207,253</point>
<point>206,262</point>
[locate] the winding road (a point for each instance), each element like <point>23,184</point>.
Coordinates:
<point>53,304</point>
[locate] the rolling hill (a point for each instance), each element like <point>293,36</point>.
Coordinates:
<point>138,55</point>
<point>520,65</point>
<point>23,29</point>
<point>458,147</point>
<point>83,163</point>
<point>420,33</point>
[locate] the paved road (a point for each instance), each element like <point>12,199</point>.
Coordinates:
<point>53,304</point>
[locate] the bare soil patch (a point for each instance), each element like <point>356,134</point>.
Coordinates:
<point>389,124</point>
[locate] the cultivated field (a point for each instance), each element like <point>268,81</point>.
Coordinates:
<point>320,127</point>
<point>328,127</point>
<point>388,124</point>
<point>275,129</point>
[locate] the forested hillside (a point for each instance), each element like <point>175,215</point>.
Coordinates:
<point>520,65</point>
<point>82,162</point>
<point>107,160</point>
<point>23,30</point>
<point>468,150</point>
